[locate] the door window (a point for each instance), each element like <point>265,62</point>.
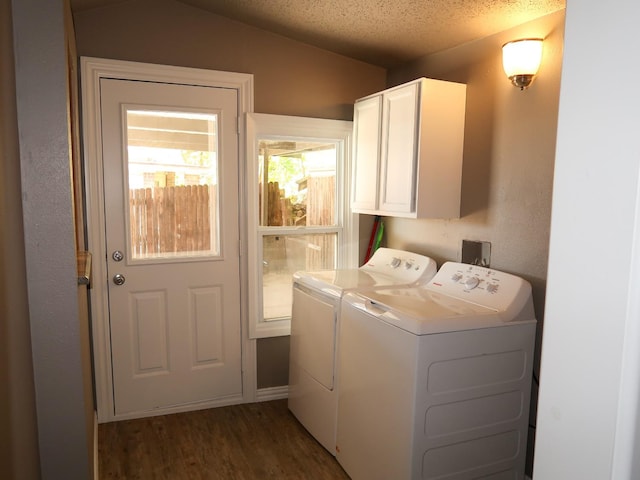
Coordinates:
<point>172,164</point>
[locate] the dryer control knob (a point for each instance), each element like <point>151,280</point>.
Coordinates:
<point>471,283</point>
<point>395,262</point>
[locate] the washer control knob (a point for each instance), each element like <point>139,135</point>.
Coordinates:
<point>456,277</point>
<point>395,262</point>
<point>471,283</point>
<point>492,288</point>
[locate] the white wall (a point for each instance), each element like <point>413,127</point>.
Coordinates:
<point>588,404</point>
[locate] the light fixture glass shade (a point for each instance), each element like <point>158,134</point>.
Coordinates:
<point>521,60</point>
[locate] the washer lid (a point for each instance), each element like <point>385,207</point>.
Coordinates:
<point>421,311</point>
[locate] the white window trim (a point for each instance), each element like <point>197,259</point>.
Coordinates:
<point>279,126</point>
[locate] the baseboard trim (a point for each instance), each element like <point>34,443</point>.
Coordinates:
<point>272,393</point>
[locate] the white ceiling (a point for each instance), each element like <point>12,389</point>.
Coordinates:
<point>381,32</point>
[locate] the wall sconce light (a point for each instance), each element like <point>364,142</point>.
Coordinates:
<point>521,60</point>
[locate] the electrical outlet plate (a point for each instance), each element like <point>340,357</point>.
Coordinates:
<point>476,253</point>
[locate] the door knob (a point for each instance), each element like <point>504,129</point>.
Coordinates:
<point>118,279</point>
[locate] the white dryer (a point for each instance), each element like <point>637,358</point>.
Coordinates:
<point>435,381</point>
<point>315,321</point>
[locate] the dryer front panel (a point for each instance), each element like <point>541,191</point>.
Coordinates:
<point>313,335</point>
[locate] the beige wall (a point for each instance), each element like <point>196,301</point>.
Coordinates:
<point>290,78</point>
<point>18,430</point>
<point>509,152</point>
<point>509,135</point>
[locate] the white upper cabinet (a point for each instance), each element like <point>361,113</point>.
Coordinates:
<point>408,150</point>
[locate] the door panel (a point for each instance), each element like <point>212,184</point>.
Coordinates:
<point>149,332</point>
<point>171,206</point>
<point>205,317</point>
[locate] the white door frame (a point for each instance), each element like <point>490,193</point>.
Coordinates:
<point>92,70</point>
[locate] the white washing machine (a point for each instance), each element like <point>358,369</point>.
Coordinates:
<point>315,320</point>
<point>435,380</point>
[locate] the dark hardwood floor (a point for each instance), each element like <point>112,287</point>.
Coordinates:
<point>252,441</point>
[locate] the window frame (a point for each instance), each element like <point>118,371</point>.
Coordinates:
<point>281,127</point>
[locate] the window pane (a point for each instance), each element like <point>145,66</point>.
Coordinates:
<point>283,255</point>
<point>297,183</point>
<point>172,163</point>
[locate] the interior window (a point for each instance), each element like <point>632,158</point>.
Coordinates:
<point>301,219</point>
<point>296,183</point>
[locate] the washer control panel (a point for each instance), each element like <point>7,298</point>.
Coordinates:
<point>484,286</point>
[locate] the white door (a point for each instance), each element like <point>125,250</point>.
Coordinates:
<point>170,156</point>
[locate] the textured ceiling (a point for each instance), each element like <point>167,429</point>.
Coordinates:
<point>381,32</point>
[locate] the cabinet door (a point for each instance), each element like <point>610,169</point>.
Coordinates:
<point>366,117</point>
<point>399,149</point>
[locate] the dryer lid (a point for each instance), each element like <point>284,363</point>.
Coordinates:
<point>387,267</point>
<point>335,282</point>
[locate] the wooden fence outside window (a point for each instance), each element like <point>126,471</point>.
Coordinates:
<point>172,220</point>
